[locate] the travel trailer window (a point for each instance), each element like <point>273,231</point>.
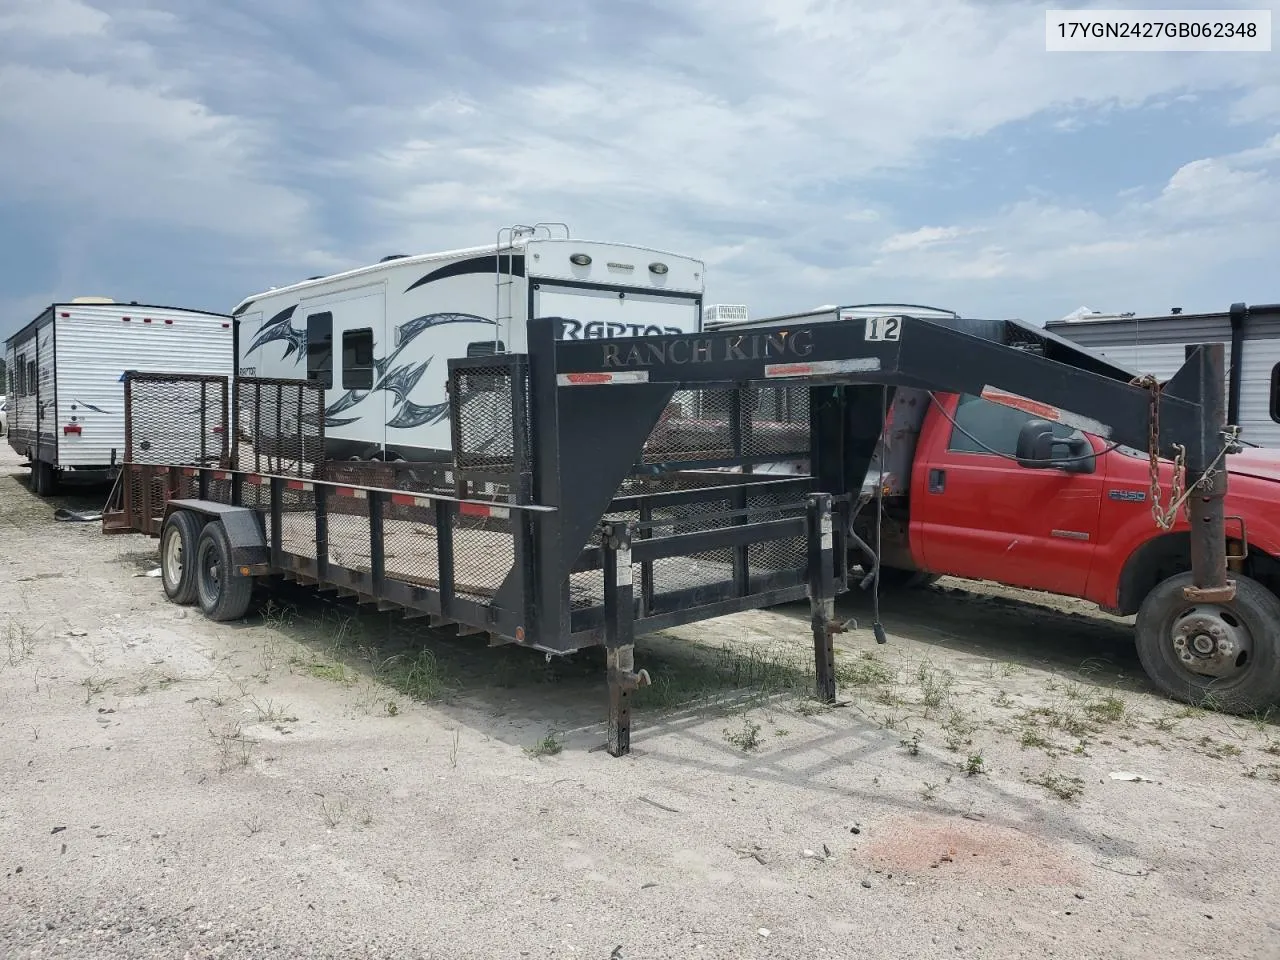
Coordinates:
<point>357,359</point>
<point>320,348</point>
<point>20,376</point>
<point>31,377</point>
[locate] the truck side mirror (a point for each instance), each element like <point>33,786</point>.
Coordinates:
<point>1035,445</point>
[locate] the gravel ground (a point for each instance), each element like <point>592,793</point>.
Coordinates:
<point>321,782</point>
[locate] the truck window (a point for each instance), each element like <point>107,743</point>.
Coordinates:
<point>993,427</point>
<point>320,348</point>
<point>357,359</point>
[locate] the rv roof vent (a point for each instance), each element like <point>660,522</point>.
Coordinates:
<point>92,300</point>
<point>393,256</point>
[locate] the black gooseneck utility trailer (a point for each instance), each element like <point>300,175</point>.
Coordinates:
<point>610,517</point>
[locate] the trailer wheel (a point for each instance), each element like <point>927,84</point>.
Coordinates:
<point>223,593</point>
<point>43,480</point>
<point>1220,655</point>
<point>178,544</point>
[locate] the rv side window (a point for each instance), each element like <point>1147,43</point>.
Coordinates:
<point>31,378</point>
<point>357,359</point>
<point>19,375</point>
<point>1275,393</point>
<point>320,348</point>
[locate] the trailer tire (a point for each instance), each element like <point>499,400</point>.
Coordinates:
<point>43,480</point>
<point>1220,655</point>
<point>179,540</point>
<point>223,593</point>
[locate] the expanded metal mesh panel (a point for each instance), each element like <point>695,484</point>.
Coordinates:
<point>483,554</point>
<point>714,425</point>
<point>410,544</point>
<point>298,523</point>
<point>695,569</point>
<point>775,420</point>
<point>280,426</point>
<point>694,426</point>
<point>176,419</point>
<point>483,411</point>
<point>349,541</point>
<point>773,555</point>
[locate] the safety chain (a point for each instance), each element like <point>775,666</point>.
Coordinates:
<point>1165,517</point>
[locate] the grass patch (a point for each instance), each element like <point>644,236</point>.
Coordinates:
<point>548,746</point>
<point>331,670</point>
<point>1060,785</point>
<point>1108,709</point>
<point>19,641</point>
<point>867,670</point>
<point>421,678</point>
<point>746,737</point>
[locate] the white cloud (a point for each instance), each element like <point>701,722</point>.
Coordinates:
<point>923,237</point>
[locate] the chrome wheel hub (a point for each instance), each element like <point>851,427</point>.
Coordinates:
<point>1212,641</point>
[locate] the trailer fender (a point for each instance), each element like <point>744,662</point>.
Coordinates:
<point>243,527</point>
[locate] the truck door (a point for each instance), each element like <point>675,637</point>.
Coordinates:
<point>979,515</point>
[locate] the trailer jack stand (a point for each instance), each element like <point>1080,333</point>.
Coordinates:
<point>623,679</point>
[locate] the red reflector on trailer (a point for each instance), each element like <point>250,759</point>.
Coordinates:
<point>125,319</point>
<point>146,319</point>
<point>482,510</point>
<point>67,315</point>
<point>169,322</point>
<point>403,499</point>
<point>225,325</point>
<point>71,428</point>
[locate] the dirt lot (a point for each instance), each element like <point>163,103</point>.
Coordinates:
<point>319,781</point>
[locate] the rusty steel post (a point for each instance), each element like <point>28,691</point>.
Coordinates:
<point>1206,467</point>
<point>822,594</point>
<point>619,634</point>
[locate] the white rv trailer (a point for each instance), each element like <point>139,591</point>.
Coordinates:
<point>379,338</point>
<point>66,372</point>
<point>1158,345</point>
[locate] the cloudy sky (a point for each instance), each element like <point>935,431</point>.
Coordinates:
<point>810,151</point>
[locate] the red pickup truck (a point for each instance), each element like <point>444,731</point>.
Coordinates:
<point>1084,528</point>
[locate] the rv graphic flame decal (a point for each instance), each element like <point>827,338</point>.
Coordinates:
<point>279,327</point>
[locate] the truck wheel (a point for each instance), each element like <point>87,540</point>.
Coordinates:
<point>1223,655</point>
<point>896,578</point>
<point>178,543</point>
<point>223,593</point>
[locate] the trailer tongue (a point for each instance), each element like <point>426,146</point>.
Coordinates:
<point>615,523</point>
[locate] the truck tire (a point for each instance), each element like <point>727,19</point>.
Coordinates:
<point>223,593</point>
<point>898,578</point>
<point>1224,656</point>
<point>179,538</point>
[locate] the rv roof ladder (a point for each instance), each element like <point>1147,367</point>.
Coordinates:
<point>504,269</point>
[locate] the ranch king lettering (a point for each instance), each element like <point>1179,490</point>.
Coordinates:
<point>757,346</point>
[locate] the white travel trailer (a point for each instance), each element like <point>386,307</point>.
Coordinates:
<point>379,338</point>
<point>66,372</point>
<point>1158,346</point>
